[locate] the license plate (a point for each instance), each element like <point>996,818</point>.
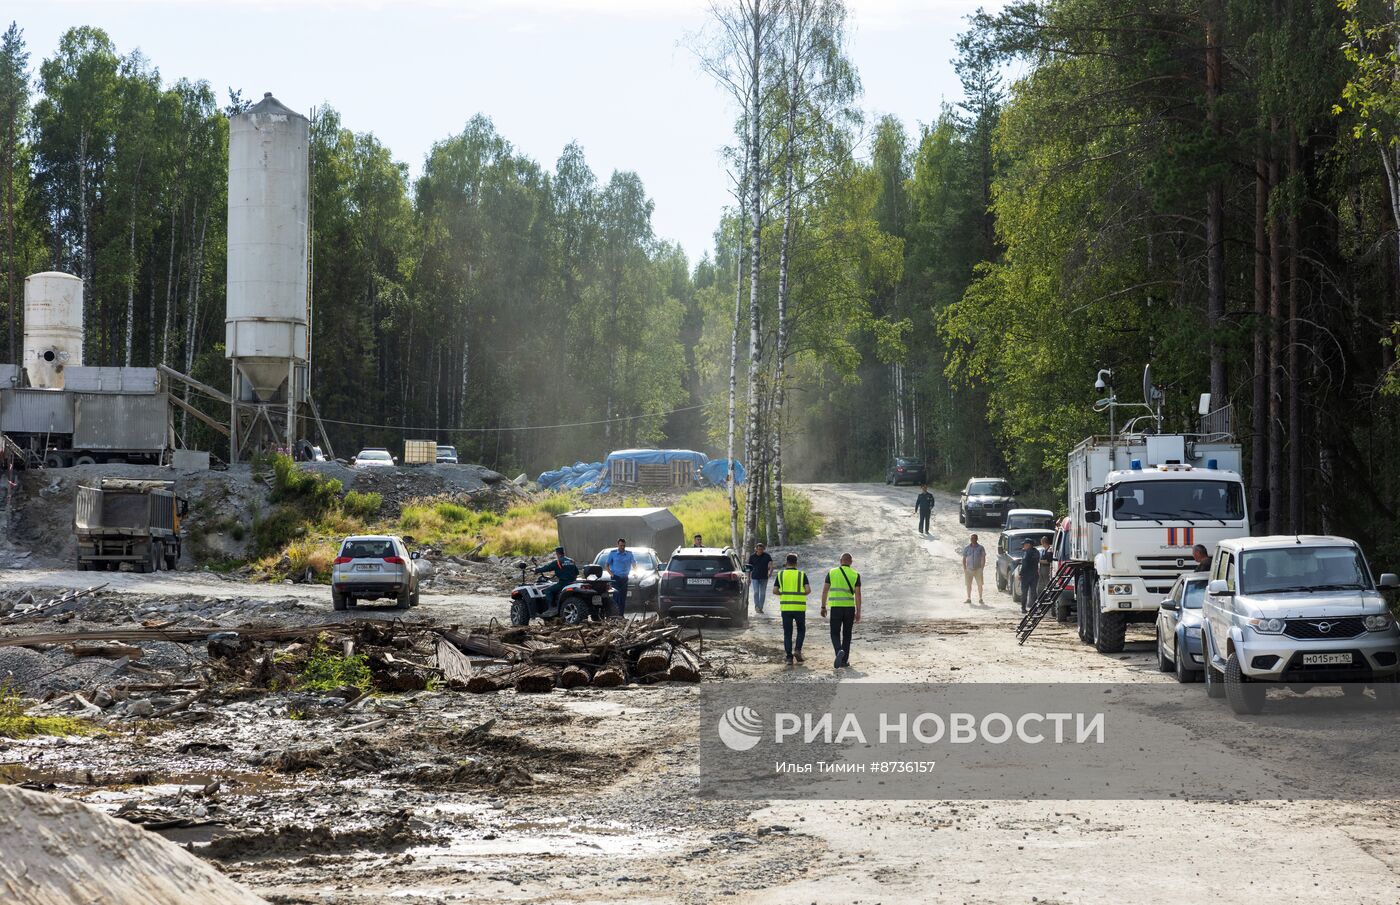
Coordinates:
<point>697,581</point>
<point>366,567</point>
<point>1327,659</point>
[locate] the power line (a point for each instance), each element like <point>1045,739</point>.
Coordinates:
<point>490,430</point>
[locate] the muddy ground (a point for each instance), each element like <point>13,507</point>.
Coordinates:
<point>590,795</point>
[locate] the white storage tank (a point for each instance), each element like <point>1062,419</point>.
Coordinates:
<point>267,203</point>
<point>53,327</point>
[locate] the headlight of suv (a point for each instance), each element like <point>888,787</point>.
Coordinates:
<point>1267,626</point>
<point>1378,623</point>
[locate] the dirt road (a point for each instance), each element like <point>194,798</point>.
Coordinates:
<point>590,795</point>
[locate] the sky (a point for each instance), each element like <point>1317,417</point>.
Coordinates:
<point>617,76</point>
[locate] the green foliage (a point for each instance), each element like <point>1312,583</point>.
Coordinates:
<point>17,722</point>
<point>706,513</point>
<point>362,505</point>
<point>327,670</point>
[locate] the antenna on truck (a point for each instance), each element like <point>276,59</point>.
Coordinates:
<point>1152,399</point>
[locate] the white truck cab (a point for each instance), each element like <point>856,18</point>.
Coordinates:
<point>1138,505</point>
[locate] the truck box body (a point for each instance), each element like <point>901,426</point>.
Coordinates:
<point>126,421</point>
<point>127,521</point>
<point>1157,496</point>
<point>419,452</point>
<point>584,532</point>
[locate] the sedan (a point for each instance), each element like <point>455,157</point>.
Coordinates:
<point>373,567</point>
<point>1179,628</point>
<point>644,580</point>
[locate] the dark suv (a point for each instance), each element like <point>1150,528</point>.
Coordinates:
<point>904,470</point>
<point>985,501</point>
<point>704,581</point>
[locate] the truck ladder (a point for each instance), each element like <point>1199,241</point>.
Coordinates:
<point>1045,603</point>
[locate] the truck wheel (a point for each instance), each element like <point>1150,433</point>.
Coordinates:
<point>519,612</point>
<point>404,600</point>
<point>1164,663</point>
<point>1244,696</point>
<point>337,600</point>
<point>574,611</point>
<point>1109,631</point>
<point>54,460</point>
<point>157,556</point>
<point>414,600</point>
<point>1062,609</point>
<point>84,460</point>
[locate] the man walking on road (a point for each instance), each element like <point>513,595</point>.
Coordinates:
<point>1030,574</point>
<point>842,592</point>
<point>760,564</point>
<point>792,588</point>
<point>974,560</point>
<point>620,564</point>
<point>923,504</point>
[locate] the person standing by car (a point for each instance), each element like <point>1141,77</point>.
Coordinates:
<point>792,588</point>
<point>695,541</point>
<point>1030,574</point>
<point>974,560</point>
<point>923,504</point>
<point>842,593</point>
<point>1202,557</point>
<point>760,564</point>
<point>565,573</point>
<point>1046,561</point>
<point>620,564</point>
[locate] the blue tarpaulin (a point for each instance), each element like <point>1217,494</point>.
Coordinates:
<point>646,457</point>
<point>716,472</point>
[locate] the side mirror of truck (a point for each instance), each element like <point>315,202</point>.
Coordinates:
<point>1092,517</point>
<point>1218,587</point>
<point>1091,501</point>
<point>1389,581</point>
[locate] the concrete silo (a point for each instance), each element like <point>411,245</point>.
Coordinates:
<point>53,327</point>
<point>266,325</point>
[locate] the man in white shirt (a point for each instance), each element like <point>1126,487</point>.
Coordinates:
<point>974,560</point>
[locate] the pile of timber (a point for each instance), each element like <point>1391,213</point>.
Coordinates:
<point>538,658</point>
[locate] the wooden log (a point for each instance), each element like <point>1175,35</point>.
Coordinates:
<point>610,676</point>
<point>573,677</point>
<point>455,665</point>
<point>535,680</point>
<point>654,660</point>
<point>110,651</point>
<point>685,666</point>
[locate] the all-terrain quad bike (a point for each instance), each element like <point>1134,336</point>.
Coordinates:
<point>590,596</point>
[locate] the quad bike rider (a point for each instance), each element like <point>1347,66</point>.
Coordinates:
<point>568,598</point>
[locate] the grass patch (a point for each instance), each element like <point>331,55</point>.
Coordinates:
<point>524,530</point>
<point>362,505</point>
<point>327,670</point>
<point>706,513</point>
<point>16,721</point>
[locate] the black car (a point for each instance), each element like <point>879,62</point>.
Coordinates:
<point>704,581</point>
<point>985,501</point>
<point>1009,555</point>
<point>904,470</point>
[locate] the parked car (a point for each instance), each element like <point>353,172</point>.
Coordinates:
<point>1179,628</point>
<point>1009,555</point>
<point>374,457</point>
<point>904,470</point>
<point>1029,518</point>
<point>644,580</point>
<point>446,455</point>
<point>1297,610</point>
<point>985,501</point>
<point>704,581</point>
<point>373,567</point>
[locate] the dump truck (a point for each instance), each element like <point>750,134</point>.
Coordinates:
<point>129,521</point>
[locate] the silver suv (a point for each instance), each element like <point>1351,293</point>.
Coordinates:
<point>1298,610</point>
<point>371,567</point>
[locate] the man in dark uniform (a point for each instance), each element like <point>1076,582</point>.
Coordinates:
<point>1202,557</point>
<point>923,504</point>
<point>1030,574</point>
<point>565,573</point>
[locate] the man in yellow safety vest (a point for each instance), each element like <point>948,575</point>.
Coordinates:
<point>842,594</point>
<point>792,588</point>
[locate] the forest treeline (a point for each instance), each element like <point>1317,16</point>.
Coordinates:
<point>1208,185</point>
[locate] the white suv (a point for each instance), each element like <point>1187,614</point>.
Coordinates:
<point>1299,610</point>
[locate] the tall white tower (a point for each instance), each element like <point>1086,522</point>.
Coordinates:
<point>53,327</point>
<point>266,326</point>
